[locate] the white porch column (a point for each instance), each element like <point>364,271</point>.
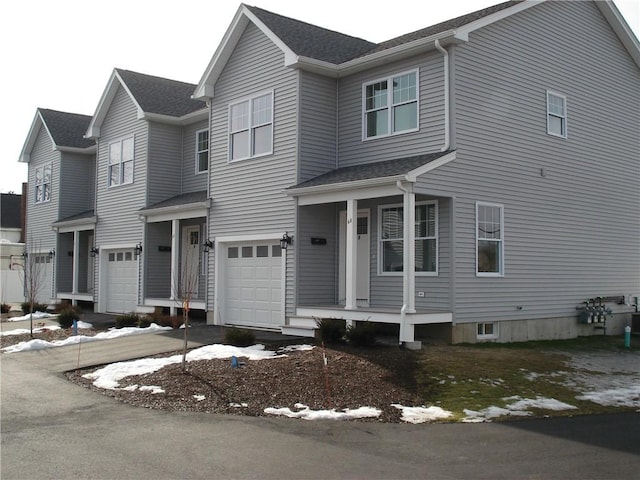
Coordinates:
<point>409,251</point>
<point>75,260</point>
<point>175,263</point>
<point>351,256</point>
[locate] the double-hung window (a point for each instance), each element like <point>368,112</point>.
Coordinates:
<point>390,105</point>
<point>391,227</point>
<point>202,151</point>
<point>43,184</point>
<point>121,162</point>
<point>556,114</point>
<point>251,127</point>
<point>489,239</point>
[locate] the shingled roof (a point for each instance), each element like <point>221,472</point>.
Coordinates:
<point>385,169</point>
<point>311,41</point>
<point>161,95</point>
<point>67,129</point>
<point>10,210</point>
<point>319,43</point>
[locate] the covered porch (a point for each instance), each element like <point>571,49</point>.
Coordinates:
<point>357,228</point>
<point>75,258</point>
<point>175,253</point>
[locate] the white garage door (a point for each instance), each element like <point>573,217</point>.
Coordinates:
<point>253,291</point>
<point>122,288</point>
<point>43,272</point>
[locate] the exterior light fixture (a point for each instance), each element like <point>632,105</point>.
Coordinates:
<point>285,241</point>
<point>208,245</point>
<point>52,253</point>
<point>94,251</point>
<point>138,249</point>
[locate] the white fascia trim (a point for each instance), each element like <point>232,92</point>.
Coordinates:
<point>464,31</point>
<point>93,131</point>
<point>338,187</point>
<point>379,191</point>
<point>413,175</point>
<point>75,225</point>
<point>205,88</point>
<point>177,212</point>
<point>621,28</point>
<point>36,125</point>
<point>168,119</point>
<point>117,246</point>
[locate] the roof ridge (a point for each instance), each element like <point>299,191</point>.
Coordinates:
<point>157,77</point>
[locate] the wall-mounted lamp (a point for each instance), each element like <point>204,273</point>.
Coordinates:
<point>285,241</point>
<point>25,254</point>
<point>52,253</point>
<point>138,249</point>
<point>208,245</point>
<point>94,251</point>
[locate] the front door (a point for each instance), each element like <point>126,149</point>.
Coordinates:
<point>190,266</point>
<point>363,258</point>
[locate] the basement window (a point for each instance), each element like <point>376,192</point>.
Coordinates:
<point>487,331</point>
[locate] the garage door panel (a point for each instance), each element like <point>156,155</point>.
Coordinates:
<point>253,292</point>
<point>121,276</point>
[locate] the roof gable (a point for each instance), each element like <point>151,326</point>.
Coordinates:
<point>66,131</point>
<point>154,98</point>
<point>335,54</point>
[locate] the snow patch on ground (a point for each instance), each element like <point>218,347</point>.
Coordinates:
<point>113,333</point>
<point>518,408</point>
<point>108,377</point>
<point>21,331</point>
<point>615,397</point>
<point>35,315</point>
<point>422,414</point>
<point>306,413</point>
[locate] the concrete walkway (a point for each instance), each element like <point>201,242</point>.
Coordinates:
<point>101,352</point>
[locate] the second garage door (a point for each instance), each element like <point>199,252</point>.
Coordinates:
<point>122,284</point>
<point>253,291</point>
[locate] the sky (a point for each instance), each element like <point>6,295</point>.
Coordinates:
<point>60,54</point>
<point>602,378</point>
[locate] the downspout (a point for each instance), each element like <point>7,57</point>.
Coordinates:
<point>445,54</point>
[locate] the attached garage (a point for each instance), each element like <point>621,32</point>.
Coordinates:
<point>122,284</point>
<point>252,291</point>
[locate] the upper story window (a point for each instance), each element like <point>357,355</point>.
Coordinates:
<point>202,151</point>
<point>556,114</point>
<point>489,239</point>
<point>391,238</point>
<point>121,162</point>
<point>251,127</point>
<point>43,184</point>
<point>390,105</point>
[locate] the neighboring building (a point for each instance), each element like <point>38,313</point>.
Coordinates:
<point>498,153</point>
<point>11,248</point>
<point>60,205</point>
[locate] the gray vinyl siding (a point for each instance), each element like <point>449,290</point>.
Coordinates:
<point>318,123</point>
<point>386,290</point>
<point>247,196</point>
<point>117,207</point>
<point>40,216</point>
<point>77,184</point>
<point>570,231</point>
<point>318,264</point>
<point>352,150</point>
<point>164,162</point>
<point>192,182</point>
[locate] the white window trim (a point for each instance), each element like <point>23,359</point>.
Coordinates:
<point>564,117</point>
<point>381,271</point>
<point>491,336</point>
<point>42,183</point>
<point>133,160</point>
<point>500,273</point>
<point>198,132</point>
<point>251,127</point>
<point>390,105</point>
